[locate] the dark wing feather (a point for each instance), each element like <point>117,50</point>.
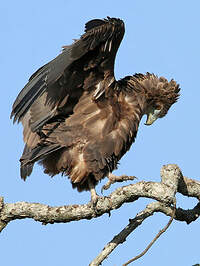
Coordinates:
<point>66,74</point>
<point>26,97</point>
<point>93,24</point>
<point>43,80</point>
<point>54,90</point>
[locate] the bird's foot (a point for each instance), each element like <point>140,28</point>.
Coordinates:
<point>94,200</point>
<point>113,179</point>
<point>94,196</point>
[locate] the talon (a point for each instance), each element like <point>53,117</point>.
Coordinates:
<point>113,179</point>
<point>105,187</point>
<point>94,200</point>
<point>94,204</point>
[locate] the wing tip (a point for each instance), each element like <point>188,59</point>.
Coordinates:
<point>14,117</point>
<point>91,24</point>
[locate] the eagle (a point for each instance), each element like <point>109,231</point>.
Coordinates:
<point>78,119</point>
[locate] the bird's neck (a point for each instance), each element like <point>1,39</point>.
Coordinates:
<point>138,90</point>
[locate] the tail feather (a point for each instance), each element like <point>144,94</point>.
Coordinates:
<point>26,170</point>
<point>30,156</point>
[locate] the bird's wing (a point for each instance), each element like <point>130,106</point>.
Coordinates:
<point>54,89</point>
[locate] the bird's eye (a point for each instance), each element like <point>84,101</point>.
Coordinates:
<point>157,107</point>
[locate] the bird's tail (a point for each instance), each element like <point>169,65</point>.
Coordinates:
<point>26,167</point>
<point>30,156</point>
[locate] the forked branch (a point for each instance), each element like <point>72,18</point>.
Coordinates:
<point>163,192</point>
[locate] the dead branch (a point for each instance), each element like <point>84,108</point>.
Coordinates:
<point>163,192</point>
<point>170,176</point>
<point>154,240</point>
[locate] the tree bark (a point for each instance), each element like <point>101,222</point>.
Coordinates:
<point>164,192</point>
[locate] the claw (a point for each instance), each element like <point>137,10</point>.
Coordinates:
<point>113,179</point>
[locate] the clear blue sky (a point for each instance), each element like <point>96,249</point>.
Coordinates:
<point>161,37</point>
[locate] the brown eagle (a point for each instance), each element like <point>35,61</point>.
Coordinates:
<point>78,120</point>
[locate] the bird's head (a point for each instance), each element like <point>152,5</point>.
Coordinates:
<point>160,95</point>
<point>154,95</point>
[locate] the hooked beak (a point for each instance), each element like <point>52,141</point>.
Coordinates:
<point>151,117</point>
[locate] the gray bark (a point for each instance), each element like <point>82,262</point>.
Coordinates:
<point>164,192</point>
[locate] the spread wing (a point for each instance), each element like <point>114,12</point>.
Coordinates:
<point>54,89</point>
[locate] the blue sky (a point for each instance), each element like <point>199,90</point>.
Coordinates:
<point>161,37</point>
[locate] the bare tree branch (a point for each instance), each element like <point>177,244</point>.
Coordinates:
<point>121,237</point>
<point>181,215</point>
<point>170,176</point>
<point>163,192</point>
<point>153,241</point>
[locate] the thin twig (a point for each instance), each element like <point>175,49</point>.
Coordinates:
<point>121,237</point>
<point>154,240</point>
<point>163,192</point>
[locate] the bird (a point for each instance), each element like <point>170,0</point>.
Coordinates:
<point>78,120</point>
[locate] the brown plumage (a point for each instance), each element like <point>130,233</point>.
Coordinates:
<point>78,120</point>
